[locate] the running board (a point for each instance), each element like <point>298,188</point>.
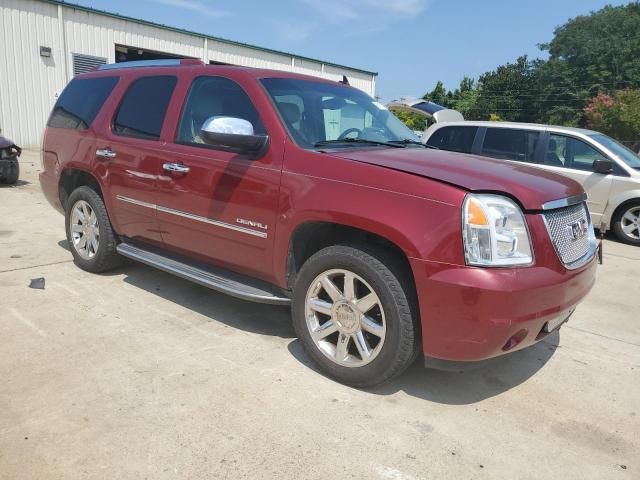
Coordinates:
<point>215,281</point>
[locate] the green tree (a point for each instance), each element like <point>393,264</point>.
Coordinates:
<point>616,115</point>
<point>602,49</point>
<point>412,120</point>
<point>508,91</point>
<point>438,95</point>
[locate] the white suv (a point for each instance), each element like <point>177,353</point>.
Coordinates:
<point>608,171</point>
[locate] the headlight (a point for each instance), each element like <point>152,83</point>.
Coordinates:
<point>495,232</point>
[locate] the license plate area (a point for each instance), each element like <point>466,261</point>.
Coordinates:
<point>557,322</point>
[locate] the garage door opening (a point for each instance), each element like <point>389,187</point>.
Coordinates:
<point>125,53</point>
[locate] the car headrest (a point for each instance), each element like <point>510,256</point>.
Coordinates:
<point>290,111</point>
<point>206,106</point>
<point>552,145</point>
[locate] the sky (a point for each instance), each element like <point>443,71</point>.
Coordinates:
<point>410,43</point>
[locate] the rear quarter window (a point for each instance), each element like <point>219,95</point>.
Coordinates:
<point>80,102</point>
<point>455,139</point>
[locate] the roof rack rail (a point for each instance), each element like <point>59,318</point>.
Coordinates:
<point>169,62</point>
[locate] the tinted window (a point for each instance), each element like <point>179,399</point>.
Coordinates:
<point>80,102</point>
<point>510,144</point>
<point>456,139</point>
<point>569,152</point>
<point>315,113</point>
<point>215,97</point>
<point>144,107</point>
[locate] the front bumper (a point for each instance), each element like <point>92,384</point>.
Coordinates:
<point>474,314</point>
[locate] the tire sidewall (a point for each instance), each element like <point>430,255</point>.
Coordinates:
<point>97,205</point>
<point>617,223</point>
<point>378,369</point>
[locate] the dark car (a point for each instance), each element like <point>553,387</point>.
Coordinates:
<point>9,166</point>
<point>292,190</point>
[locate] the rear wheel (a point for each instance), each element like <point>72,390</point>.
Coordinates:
<point>626,223</point>
<point>353,315</point>
<point>89,232</point>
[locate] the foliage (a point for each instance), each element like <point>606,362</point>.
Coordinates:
<point>589,56</point>
<point>617,116</point>
<point>414,121</point>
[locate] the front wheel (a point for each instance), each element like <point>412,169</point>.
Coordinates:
<point>353,314</point>
<point>626,223</point>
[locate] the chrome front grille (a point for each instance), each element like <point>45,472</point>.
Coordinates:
<point>571,233</point>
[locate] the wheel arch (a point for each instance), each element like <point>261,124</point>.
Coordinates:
<point>72,178</point>
<point>312,236</point>
<point>616,202</point>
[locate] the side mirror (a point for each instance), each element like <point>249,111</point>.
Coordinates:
<point>234,134</point>
<point>602,166</point>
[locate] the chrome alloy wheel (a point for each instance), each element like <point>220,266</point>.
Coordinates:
<point>630,223</point>
<point>85,234</point>
<point>345,318</point>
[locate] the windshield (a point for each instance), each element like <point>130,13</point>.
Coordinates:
<point>319,114</point>
<point>619,150</point>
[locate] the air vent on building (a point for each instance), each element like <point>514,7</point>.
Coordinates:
<point>86,63</point>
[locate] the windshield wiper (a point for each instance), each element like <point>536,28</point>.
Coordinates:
<point>324,143</point>
<point>408,141</point>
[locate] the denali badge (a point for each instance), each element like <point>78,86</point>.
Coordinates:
<point>251,223</point>
<point>578,229</point>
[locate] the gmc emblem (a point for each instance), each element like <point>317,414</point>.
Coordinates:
<point>578,229</point>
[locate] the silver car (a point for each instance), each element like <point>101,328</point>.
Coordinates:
<point>608,171</point>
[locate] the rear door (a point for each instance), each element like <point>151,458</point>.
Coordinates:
<point>222,207</point>
<point>573,158</point>
<point>511,144</point>
<point>454,138</point>
<point>131,152</point>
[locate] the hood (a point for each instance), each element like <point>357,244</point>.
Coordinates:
<point>531,186</point>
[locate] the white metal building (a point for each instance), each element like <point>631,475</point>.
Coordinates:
<point>44,43</point>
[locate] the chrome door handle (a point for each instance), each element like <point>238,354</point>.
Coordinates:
<point>105,153</point>
<point>176,167</point>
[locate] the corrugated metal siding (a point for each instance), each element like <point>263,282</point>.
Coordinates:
<point>29,83</point>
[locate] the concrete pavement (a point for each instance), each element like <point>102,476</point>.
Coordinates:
<point>138,374</point>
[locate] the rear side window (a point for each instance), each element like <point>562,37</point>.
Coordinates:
<point>455,139</point>
<point>144,106</point>
<point>510,144</point>
<point>80,102</point>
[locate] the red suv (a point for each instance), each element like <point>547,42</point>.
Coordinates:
<point>288,189</point>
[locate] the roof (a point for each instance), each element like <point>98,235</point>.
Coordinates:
<point>158,67</point>
<point>202,35</point>
<point>534,126</point>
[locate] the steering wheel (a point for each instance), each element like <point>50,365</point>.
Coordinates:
<point>344,134</point>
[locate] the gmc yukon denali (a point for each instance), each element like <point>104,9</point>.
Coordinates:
<point>288,189</point>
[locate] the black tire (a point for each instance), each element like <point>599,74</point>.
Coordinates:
<point>617,223</point>
<point>393,286</point>
<point>105,257</point>
<point>13,175</point>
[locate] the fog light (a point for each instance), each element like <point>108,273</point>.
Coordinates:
<point>515,340</point>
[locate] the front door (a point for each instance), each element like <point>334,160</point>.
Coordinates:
<point>574,158</point>
<point>213,204</point>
